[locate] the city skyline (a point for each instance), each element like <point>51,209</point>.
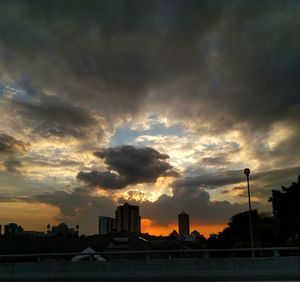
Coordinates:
<point>127,219</point>
<point>161,104</point>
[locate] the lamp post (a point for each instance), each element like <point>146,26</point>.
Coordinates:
<point>247,172</point>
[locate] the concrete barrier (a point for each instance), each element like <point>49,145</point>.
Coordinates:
<point>204,269</point>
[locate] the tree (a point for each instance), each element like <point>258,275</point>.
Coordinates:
<point>237,234</point>
<point>286,210</point>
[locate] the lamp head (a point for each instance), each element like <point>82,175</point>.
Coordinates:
<point>247,171</point>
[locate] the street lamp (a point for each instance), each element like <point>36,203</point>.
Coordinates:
<point>247,172</point>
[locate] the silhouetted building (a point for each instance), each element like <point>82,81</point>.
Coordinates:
<point>128,218</point>
<point>196,234</point>
<point>33,234</point>
<point>12,229</point>
<point>63,230</point>
<point>183,224</point>
<point>106,225</point>
<point>213,236</point>
<point>119,243</point>
<point>174,234</point>
<point>189,238</point>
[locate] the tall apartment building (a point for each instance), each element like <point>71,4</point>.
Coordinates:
<point>183,224</point>
<point>106,225</point>
<point>128,218</point>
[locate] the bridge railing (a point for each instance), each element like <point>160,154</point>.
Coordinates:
<point>156,254</point>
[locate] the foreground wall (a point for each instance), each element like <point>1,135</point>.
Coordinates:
<point>204,269</point>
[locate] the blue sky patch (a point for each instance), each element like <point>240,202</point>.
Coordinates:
<point>127,135</point>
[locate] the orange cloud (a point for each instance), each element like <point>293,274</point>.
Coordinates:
<point>149,226</point>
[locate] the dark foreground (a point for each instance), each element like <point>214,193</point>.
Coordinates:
<point>202,269</point>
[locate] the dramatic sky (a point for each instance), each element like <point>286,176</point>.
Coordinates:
<point>159,103</point>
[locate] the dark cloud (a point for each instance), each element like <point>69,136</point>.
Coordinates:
<point>22,185</point>
<point>106,179</point>
<point>231,63</point>
<point>214,180</point>
<point>196,202</point>
<point>51,116</point>
<point>5,199</point>
<point>242,192</point>
<point>262,182</point>
<point>10,151</point>
<point>273,176</point>
<point>46,162</point>
<point>88,51</point>
<point>79,208</point>
<point>10,145</point>
<point>128,165</point>
<point>12,165</point>
<point>221,159</point>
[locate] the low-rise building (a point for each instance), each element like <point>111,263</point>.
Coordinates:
<point>12,229</point>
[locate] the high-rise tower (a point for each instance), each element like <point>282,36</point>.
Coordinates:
<point>183,224</point>
<point>128,218</point>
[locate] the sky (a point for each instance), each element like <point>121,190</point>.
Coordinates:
<point>158,103</point>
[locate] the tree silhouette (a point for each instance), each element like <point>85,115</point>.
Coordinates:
<point>237,234</point>
<point>286,210</point>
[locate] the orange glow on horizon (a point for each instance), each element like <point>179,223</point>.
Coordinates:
<point>35,216</point>
<point>149,226</point>
<point>31,216</point>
